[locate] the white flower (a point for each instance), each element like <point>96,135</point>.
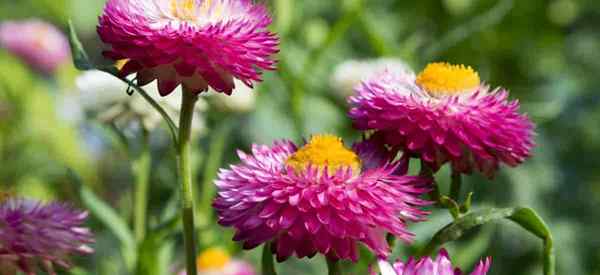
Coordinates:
<point>106,97</point>
<point>350,73</point>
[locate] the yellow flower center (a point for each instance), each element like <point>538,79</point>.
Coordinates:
<point>186,9</point>
<point>212,259</point>
<point>324,151</point>
<point>442,78</point>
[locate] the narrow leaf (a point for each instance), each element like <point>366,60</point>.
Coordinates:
<point>80,58</point>
<point>531,221</point>
<point>108,216</point>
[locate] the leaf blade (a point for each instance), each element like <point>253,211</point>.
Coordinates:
<point>81,59</point>
<point>108,216</point>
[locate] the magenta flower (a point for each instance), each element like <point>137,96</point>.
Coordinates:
<point>321,198</point>
<point>196,43</point>
<point>444,115</point>
<point>33,234</point>
<point>40,45</point>
<point>427,266</point>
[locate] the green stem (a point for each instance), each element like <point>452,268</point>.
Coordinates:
<point>455,186</point>
<point>549,257</point>
<point>434,194</point>
<point>268,267</point>
<point>141,170</point>
<point>334,267</point>
<point>185,174</point>
<point>425,170</point>
<point>391,240</point>
<point>429,249</point>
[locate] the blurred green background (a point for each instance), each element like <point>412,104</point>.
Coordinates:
<point>546,52</point>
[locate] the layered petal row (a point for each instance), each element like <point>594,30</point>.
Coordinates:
<point>315,209</point>
<point>428,266</point>
<point>195,43</point>
<point>475,129</point>
<point>34,234</point>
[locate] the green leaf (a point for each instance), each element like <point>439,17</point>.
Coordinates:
<point>268,267</point>
<point>532,222</point>
<point>527,218</point>
<point>108,216</point>
<point>80,58</point>
<point>455,230</point>
<point>466,207</point>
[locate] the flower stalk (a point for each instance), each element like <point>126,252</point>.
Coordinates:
<point>185,175</point>
<point>333,267</point>
<point>268,266</point>
<point>141,170</point>
<point>455,185</point>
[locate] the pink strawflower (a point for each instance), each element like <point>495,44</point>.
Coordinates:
<point>427,266</point>
<point>196,43</point>
<point>320,198</point>
<point>444,115</point>
<point>33,234</point>
<point>39,44</point>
